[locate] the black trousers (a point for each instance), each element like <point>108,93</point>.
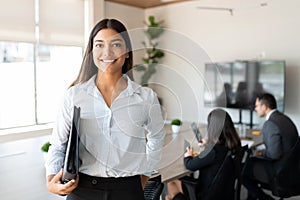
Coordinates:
<point>257,171</point>
<point>98,188</point>
<point>180,196</point>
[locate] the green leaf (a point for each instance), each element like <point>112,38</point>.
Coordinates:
<point>146,60</point>
<point>159,54</point>
<point>154,32</point>
<point>153,54</point>
<point>45,147</point>
<point>152,20</point>
<point>149,51</point>
<point>140,68</point>
<point>147,75</point>
<point>176,122</point>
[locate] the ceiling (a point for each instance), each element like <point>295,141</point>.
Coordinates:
<point>146,3</point>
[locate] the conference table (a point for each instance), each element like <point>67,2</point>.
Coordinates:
<point>171,166</point>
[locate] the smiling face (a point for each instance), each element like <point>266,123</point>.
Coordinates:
<point>109,51</point>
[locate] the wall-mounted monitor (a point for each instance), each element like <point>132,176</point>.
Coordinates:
<point>236,84</point>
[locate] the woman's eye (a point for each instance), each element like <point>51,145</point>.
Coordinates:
<point>99,45</point>
<point>117,45</point>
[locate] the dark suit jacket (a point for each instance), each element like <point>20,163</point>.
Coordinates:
<point>279,136</point>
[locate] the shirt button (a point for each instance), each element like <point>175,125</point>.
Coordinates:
<point>94,182</point>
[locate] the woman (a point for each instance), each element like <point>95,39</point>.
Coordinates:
<point>115,112</point>
<point>221,138</point>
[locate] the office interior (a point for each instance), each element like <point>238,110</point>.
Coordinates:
<point>205,30</point>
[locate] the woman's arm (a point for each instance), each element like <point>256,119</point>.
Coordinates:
<point>196,163</point>
<point>156,134</point>
<point>57,150</point>
<point>55,186</point>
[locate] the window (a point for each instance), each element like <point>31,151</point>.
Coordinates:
<point>27,99</point>
<point>40,55</point>
<point>16,84</point>
<point>57,68</point>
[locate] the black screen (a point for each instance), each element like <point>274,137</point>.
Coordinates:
<point>236,84</point>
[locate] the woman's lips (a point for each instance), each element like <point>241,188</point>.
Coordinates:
<point>108,60</point>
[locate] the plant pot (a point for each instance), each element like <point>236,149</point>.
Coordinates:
<point>175,128</point>
<point>45,155</point>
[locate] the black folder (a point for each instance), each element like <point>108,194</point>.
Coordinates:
<point>71,158</point>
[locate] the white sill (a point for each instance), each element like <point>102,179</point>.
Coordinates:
<point>25,132</point>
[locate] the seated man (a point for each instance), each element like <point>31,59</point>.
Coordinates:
<point>279,136</point>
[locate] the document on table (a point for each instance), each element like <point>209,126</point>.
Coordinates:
<point>247,142</point>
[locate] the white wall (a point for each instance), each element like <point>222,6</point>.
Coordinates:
<point>196,36</point>
<point>251,32</point>
<point>132,17</point>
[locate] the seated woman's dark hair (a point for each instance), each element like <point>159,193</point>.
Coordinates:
<point>221,130</point>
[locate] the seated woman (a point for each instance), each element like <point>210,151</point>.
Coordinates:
<point>221,138</point>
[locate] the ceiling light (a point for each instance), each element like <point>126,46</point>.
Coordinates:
<point>217,8</point>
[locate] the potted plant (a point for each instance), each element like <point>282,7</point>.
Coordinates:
<point>153,54</point>
<point>175,125</point>
<point>45,148</point>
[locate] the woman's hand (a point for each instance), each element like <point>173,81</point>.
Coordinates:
<point>202,142</point>
<point>189,152</point>
<point>55,186</point>
<point>144,180</point>
<point>259,153</point>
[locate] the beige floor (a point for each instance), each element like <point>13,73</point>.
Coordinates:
<point>22,172</point>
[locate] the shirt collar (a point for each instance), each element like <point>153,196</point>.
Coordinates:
<point>132,87</point>
<point>269,114</point>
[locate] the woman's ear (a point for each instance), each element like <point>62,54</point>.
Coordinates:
<point>127,53</point>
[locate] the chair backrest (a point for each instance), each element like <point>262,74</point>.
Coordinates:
<point>153,190</point>
<point>286,182</point>
<point>222,186</point>
<point>239,161</point>
<point>227,182</point>
<point>189,185</point>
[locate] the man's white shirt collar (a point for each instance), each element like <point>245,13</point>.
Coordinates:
<point>269,114</point>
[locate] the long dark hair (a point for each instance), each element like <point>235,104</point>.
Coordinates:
<point>88,67</point>
<point>221,130</point>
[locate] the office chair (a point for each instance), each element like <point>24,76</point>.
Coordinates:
<point>286,181</point>
<point>227,182</point>
<point>153,189</point>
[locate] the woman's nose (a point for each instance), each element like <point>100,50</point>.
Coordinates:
<point>107,51</point>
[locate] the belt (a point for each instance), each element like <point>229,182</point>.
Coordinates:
<point>107,182</point>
